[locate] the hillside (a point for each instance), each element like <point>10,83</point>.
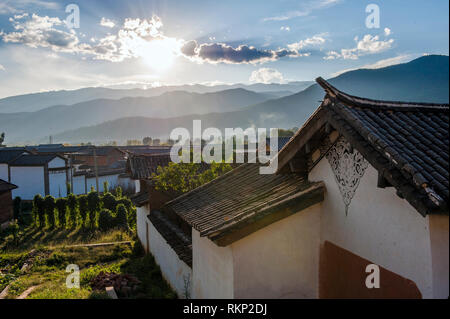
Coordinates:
<point>60,118</point>
<point>38,101</point>
<point>425,79</point>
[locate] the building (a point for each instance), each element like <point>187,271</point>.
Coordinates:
<point>39,174</point>
<point>104,156</point>
<point>362,185</point>
<point>8,155</point>
<point>6,207</point>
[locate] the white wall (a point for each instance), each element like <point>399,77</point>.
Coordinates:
<point>212,269</point>
<point>141,225</point>
<point>4,172</point>
<point>78,185</point>
<point>57,183</point>
<point>380,227</point>
<point>175,271</point>
<point>30,181</point>
<point>280,260</point>
<point>111,179</point>
<point>57,162</point>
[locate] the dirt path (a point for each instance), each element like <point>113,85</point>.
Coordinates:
<point>100,244</point>
<point>4,293</point>
<point>25,294</point>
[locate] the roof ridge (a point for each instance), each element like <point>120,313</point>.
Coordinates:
<point>372,103</point>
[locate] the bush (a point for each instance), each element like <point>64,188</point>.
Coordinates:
<point>94,206</point>
<point>17,207</point>
<point>61,207</point>
<point>109,201</point>
<point>83,207</point>
<point>121,216</point>
<point>49,204</point>
<point>39,210</point>
<point>72,204</point>
<point>105,220</point>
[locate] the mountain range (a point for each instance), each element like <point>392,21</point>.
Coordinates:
<point>425,79</point>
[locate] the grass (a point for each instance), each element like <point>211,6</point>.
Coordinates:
<point>48,254</point>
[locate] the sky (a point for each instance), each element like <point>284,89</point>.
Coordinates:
<point>137,43</point>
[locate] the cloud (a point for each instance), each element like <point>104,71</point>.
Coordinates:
<point>37,31</point>
<point>2,68</point>
<point>136,38</point>
<point>306,10</point>
<point>223,53</point>
<point>380,64</point>
<point>16,6</point>
<point>367,45</point>
<point>266,75</point>
<point>387,31</point>
<point>107,23</point>
<point>313,41</point>
<point>285,29</point>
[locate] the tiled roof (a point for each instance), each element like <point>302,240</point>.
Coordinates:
<point>410,142</point>
<point>32,160</point>
<point>7,155</point>
<point>180,243</point>
<point>5,186</point>
<point>282,140</point>
<point>142,166</point>
<point>146,149</point>
<point>236,196</point>
<point>140,199</point>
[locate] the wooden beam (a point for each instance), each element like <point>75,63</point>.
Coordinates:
<point>313,124</point>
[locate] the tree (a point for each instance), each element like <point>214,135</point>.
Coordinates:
<point>147,140</point>
<point>2,139</point>
<point>105,220</point>
<point>72,204</point>
<point>121,216</point>
<point>17,203</point>
<point>61,207</point>
<point>38,210</point>
<point>49,204</point>
<point>105,187</point>
<point>83,208</point>
<point>109,201</point>
<point>94,206</point>
<point>184,177</point>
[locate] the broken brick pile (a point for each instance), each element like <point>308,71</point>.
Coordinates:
<point>123,284</point>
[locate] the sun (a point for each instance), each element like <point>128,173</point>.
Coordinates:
<point>159,54</point>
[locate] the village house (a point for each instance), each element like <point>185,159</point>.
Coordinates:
<point>7,155</point>
<point>104,156</point>
<point>362,183</point>
<point>39,174</point>
<point>6,207</point>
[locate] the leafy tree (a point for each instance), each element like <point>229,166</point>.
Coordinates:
<point>61,207</point>
<point>121,216</point>
<point>118,192</point>
<point>2,139</point>
<point>17,204</point>
<point>93,205</point>
<point>49,204</point>
<point>83,208</point>
<point>72,205</point>
<point>105,220</point>
<point>39,210</point>
<point>184,177</point>
<point>105,187</point>
<point>109,201</point>
<point>147,140</point>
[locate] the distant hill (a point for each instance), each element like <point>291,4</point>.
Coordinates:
<point>425,79</point>
<point>38,101</point>
<point>60,118</point>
